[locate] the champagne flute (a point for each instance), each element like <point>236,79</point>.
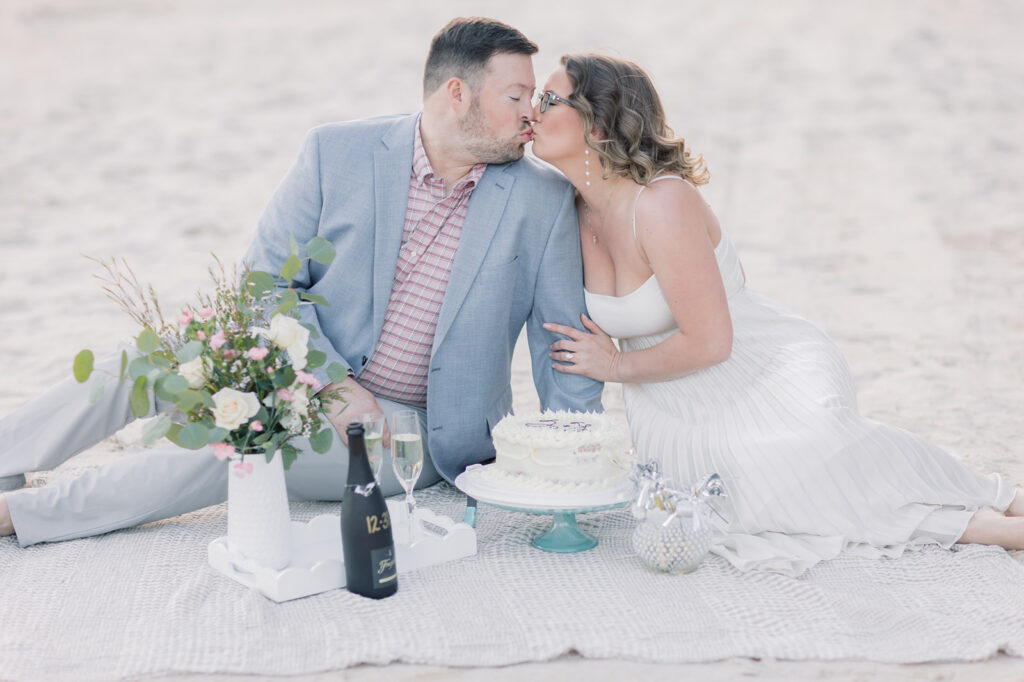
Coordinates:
<point>407,456</point>
<point>373,425</point>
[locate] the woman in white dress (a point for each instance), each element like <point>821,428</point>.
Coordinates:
<point>719,379</point>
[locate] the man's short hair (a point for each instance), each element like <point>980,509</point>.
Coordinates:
<point>463,47</point>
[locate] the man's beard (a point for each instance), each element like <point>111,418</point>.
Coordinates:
<point>482,144</point>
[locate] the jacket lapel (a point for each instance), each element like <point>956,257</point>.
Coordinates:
<point>486,206</point>
<point>392,166</point>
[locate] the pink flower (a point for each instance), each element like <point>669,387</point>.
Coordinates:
<point>285,394</point>
<point>256,425</point>
<point>185,318</point>
<point>201,335</point>
<point>223,450</point>
<point>206,313</point>
<point>307,378</point>
<point>230,353</point>
<point>218,340</point>
<point>243,468</point>
<point>257,353</point>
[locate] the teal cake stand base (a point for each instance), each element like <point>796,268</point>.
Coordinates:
<point>564,536</point>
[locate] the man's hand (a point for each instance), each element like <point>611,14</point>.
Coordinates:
<point>358,401</point>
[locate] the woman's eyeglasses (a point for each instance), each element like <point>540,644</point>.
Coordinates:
<point>547,98</point>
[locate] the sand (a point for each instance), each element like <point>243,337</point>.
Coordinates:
<point>866,161</point>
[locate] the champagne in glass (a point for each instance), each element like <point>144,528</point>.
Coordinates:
<point>373,424</point>
<point>407,456</point>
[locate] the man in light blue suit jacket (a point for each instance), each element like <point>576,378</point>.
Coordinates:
<point>517,263</point>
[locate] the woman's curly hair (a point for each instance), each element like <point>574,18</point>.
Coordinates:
<point>617,99</point>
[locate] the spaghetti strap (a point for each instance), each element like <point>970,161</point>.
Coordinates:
<point>636,200</point>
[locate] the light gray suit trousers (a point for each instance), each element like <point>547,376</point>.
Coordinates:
<point>149,485</point>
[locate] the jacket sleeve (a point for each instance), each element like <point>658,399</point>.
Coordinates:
<point>294,211</point>
<point>558,297</point>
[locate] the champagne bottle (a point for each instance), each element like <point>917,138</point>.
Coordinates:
<point>366,527</point>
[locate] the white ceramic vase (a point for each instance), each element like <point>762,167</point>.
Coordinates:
<point>259,523</point>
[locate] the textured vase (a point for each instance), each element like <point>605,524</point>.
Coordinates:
<point>672,546</point>
<point>259,523</point>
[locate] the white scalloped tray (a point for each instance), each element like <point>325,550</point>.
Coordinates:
<point>317,564</point>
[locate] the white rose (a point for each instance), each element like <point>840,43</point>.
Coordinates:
<point>287,333</point>
<point>233,408</point>
<point>194,372</point>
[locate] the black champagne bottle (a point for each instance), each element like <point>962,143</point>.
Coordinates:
<point>366,527</point>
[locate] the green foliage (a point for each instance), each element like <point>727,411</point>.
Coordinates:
<point>336,372</point>
<point>147,341</point>
<point>258,284</point>
<point>139,399</point>
<point>189,352</point>
<point>320,250</point>
<point>315,358</point>
<point>289,299</point>
<point>168,386</point>
<point>291,268</point>
<point>321,441</point>
<point>82,367</point>
<point>314,298</point>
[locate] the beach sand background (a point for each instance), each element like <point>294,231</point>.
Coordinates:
<point>866,159</point>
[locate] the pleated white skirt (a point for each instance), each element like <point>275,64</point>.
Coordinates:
<point>807,476</point>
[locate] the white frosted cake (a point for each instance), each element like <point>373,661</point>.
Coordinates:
<point>560,451</point>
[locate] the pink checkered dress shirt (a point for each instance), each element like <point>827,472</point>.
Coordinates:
<point>397,369</point>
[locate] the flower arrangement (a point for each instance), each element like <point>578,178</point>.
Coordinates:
<point>235,365</point>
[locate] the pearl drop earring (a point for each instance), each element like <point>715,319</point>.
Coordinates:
<point>586,163</point>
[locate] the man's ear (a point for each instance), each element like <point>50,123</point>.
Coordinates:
<point>459,96</point>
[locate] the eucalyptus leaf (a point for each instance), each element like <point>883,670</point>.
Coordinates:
<point>289,299</point>
<point>258,283</point>
<point>216,434</point>
<point>291,268</point>
<point>156,429</point>
<point>320,250</point>
<point>193,436</point>
<point>139,399</point>
<point>169,386</point>
<point>315,358</point>
<point>313,333</point>
<point>288,455</point>
<point>336,372</point>
<point>82,367</point>
<point>314,298</point>
<point>188,399</point>
<point>148,341</point>
<point>190,351</point>
<point>321,441</point>
<point>124,366</point>
<point>140,367</point>
<point>287,375</point>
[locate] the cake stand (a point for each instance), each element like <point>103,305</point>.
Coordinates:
<point>564,536</point>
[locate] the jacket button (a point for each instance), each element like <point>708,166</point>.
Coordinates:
<point>364,360</point>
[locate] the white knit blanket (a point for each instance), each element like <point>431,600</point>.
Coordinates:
<point>144,602</point>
